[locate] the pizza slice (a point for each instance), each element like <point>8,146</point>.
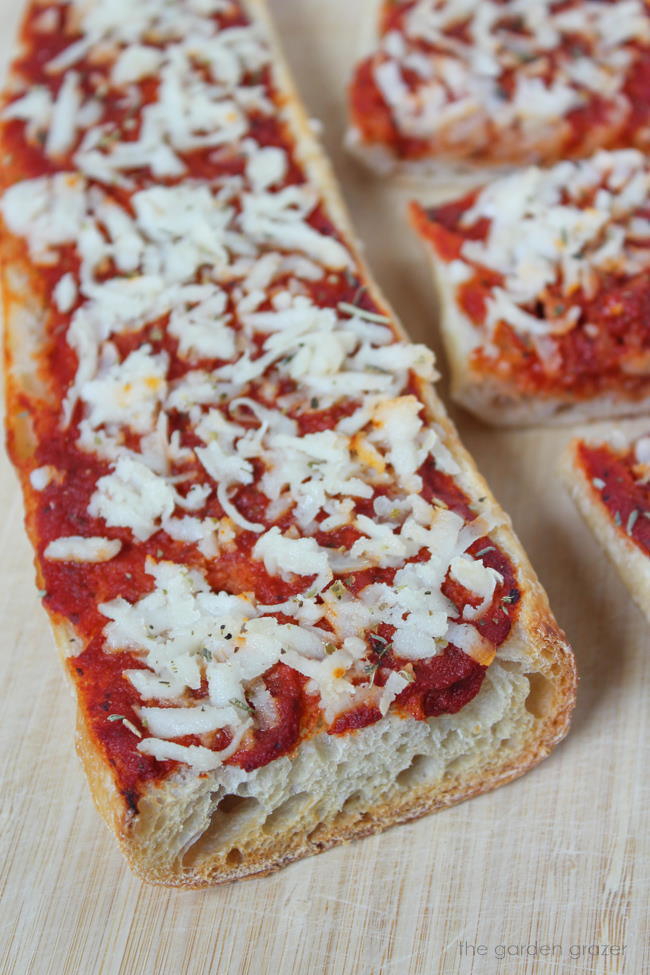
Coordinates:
<point>609,480</point>
<point>544,290</point>
<point>453,85</point>
<point>291,610</point>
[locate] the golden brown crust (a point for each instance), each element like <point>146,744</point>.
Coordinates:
<point>632,564</point>
<point>536,637</point>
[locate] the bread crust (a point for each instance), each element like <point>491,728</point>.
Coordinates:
<point>546,650</point>
<point>632,564</point>
<point>457,174</point>
<point>497,401</point>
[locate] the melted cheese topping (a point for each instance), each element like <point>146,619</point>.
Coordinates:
<point>221,266</point>
<point>458,69</point>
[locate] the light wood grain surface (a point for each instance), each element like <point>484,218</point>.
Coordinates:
<point>559,858</point>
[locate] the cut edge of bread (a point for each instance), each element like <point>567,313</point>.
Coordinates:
<point>625,555</point>
<point>196,830</point>
<point>432,173</point>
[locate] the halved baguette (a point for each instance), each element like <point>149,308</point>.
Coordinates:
<point>198,829</point>
<point>496,401</point>
<point>436,103</point>
<point>630,559</point>
<point>579,382</point>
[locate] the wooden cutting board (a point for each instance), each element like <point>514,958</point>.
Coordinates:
<point>557,861</point>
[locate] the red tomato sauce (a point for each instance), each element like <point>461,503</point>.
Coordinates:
<point>73,592</point>
<point>614,481</point>
<point>107,697</point>
<point>373,118</point>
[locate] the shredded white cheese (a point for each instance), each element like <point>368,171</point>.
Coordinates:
<point>77,548</point>
<point>132,496</point>
<point>298,556</point>
<point>176,722</point>
<point>40,477</point>
<point>200,758</point>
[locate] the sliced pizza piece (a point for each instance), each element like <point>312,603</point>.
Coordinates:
<point>292,611</point>
<point>609,480</point>
<point>453,85</point>
<point>544,290</point>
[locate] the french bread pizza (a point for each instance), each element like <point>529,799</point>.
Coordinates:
<point>544,291</point>
<point>609,480</point>
<point>290,608</point>
<point>448,87</point>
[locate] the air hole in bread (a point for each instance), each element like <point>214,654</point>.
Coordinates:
<point>540,696</point>
<point>352,801</point>
<point>459,764</point>
<point>234,857</point>
<point>512,666</point>
<point>317,834</point>
<point>235,804</point>
<point>419,768</point>
<point>229,819</point>
<point>285,813</point>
